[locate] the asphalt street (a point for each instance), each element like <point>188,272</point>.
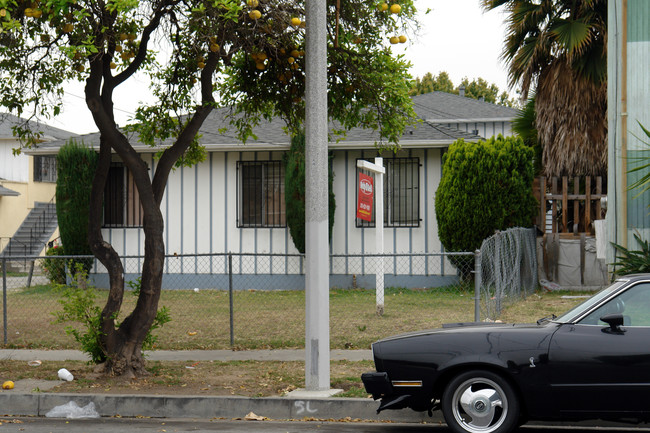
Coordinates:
<point>110,425</point>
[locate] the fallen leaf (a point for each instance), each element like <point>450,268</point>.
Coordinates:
<point>252,417</point>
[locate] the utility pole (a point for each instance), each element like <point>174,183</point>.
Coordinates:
<point>317,336</point>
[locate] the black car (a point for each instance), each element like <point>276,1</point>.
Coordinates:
<point>592,362</point>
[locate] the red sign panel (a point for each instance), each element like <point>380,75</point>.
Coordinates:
<point>364,202</point>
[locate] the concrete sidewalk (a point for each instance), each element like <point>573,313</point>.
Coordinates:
<point>26,402</point>
<point>188,355</point>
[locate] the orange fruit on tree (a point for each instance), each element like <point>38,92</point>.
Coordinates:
<point>402,39</point>
<point>295,53</point>
<point>291,60</point>
<point>395,8</point>
<point>394,40</point>
<point>295,21</point>
<point>383,7</point>
<point>201,65</point>
<point>255,14</point>
<point>214,47</point>
<point>253,3</point>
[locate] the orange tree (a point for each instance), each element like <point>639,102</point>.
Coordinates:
<point>248,55</point>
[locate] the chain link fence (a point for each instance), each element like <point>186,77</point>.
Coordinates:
<point>508,269</point>
<point>252,301</point>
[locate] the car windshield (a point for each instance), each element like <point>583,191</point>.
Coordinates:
<point>576,311</point>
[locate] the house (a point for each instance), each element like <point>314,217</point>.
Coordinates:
<point>234,200</point>
<point>27,186</point>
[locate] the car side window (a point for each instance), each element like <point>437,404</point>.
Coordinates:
<point>633,304</point>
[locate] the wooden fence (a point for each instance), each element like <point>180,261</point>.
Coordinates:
<point>569,205</point>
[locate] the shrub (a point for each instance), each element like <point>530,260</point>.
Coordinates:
<point>79,305</point>
<point>54,268</point>
<point>76,166</point>
<point>485,186</point>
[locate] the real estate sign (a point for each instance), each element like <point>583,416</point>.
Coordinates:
<point>364,201</point>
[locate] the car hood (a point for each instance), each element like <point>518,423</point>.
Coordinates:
<point>454,328</point>
<point>496,343</point>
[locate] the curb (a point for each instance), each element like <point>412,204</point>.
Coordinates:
<point>38,404</point>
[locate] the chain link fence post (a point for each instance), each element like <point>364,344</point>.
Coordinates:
<point>477,285</point>
<point>4,298</point>
<point>232,317</point>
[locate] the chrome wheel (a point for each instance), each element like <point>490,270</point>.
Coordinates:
<point>480,402</point>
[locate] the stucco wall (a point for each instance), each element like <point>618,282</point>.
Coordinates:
<point>13,210</point>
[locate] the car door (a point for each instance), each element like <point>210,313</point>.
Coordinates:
<point>595,370</point>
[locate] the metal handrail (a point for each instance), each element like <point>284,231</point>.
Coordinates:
<point>41,225</point>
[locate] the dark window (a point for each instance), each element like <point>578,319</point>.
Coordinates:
<point>401,194</point>
<point>260,194</point>
<point>122,206</point>
<point>44,168</point>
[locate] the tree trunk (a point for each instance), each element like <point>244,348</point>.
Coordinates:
<point>123,345</point>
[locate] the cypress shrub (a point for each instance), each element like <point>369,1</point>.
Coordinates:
<point>294,191</point>
<point>76,168</point>
<point>485,186</point>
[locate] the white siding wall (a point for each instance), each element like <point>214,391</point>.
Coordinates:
<point>485,129</point>
<point>200,212</point>
<point>14,168</point>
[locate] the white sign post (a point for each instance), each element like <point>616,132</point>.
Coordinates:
<point>379,170</point>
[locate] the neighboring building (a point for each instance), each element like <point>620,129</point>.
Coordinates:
<point>628,108</point>
<point>465,114</point>
<point>27,182</point>
<point>234,200</point>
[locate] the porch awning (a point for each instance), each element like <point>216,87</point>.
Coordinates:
<point>8,192</point>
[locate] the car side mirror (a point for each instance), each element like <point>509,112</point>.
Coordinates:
<point>615,321</point>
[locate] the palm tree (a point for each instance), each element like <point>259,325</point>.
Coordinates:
<point>558,49</point>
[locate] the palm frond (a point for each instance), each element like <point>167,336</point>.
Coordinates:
<point>632,261</point>
<point>573,35</point>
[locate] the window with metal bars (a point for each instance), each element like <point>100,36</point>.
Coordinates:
<point>260,194</point>
<point>401,194</point>
<point>44,168</point>
<point>122,207</point>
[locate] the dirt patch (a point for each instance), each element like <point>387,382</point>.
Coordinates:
<point>241,378</point>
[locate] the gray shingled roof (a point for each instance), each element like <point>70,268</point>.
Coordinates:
<point>441,107</point>
<point>434,108</point>
<point>7,121</point>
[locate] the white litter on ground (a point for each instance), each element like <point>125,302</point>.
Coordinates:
<point>72,410</point>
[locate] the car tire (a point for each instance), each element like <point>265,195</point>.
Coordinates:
<point>480,401</point>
